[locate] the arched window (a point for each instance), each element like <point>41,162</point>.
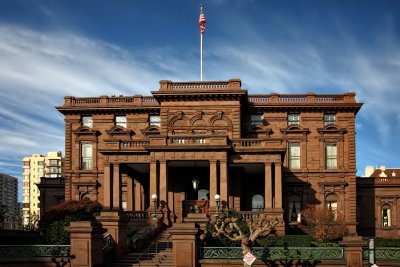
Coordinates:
<point>257,203</point>
<point>331,203</point>
<point>203,194</point>
<point>386,220</point>
<point>294,208</point>
<point>86,196</point>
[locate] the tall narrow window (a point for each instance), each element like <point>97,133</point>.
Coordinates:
<point>86,156</point>
<point>257,203</point>
<point>331,203</point>
<point>294,156</point>
<point>331,156</point>
<point>87,121</point>
<point>329,119</point>
<point>155,120</point>
<point>257,119</point>
<point>294,208</point>
<point>120,121</point>
<point>386,221</point>
<point>293,119</point>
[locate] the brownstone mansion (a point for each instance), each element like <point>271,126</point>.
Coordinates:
<point>273,154</point>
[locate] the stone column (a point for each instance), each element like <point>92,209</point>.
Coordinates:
<point>278,186</point>
<point>213,182</point>
<point>116,187</point>
<point>184,244</point>
<point>116,225</point>
<point>163,181</point>
<point>268,187</point>
<point>153,180</point>
<point>86,243</point>
<point>130,205</point>
<point>224,182</point>
<point>353,250</point>
<point>107,186</point>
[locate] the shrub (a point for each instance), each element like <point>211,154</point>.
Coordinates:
<point>55,220</point>
<point>323,225</point>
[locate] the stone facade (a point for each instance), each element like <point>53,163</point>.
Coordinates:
<point>269,154</point>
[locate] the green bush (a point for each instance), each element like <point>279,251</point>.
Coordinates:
<point>385,242</point>
<point>55,220</point>
<point>284,241</point>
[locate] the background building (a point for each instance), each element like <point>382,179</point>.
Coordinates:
<point>378,201</point>
<point>9,212</point>
<point>271,154</point>
<point>34,168</point>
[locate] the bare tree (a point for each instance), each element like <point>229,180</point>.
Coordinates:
<point>233,228</point>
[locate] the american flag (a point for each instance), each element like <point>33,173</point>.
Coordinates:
<point>202,21</point>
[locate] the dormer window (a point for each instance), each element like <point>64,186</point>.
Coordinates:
<point>293,119</point>
<point>155,120</point>
<point>329,119</point>
<point>87,121</point>
<point>257,119</point>
<point>120,121</point>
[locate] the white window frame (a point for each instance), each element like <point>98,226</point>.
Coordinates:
<point>329,118</point>
<point>386,218</point>
<point>87,121</point>
<point>86,156</point>
<point>120,120</point>
<point>294,156</point>
<point>293,119</point>
<point>331,156</point>
<point>155,120</point>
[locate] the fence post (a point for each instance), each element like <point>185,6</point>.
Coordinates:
<point>353,250</point>
<point>115,224</point>
<point>86,243</point>
<point>184,244</point>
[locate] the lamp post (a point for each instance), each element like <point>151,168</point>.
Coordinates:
<point>217,199</point>
<point>154,198</point>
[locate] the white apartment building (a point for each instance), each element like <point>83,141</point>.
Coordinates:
<point>34,168</point>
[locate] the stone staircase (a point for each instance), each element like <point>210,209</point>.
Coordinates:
<point>159,253</point>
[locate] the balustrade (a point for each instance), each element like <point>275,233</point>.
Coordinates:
<point>188,140</point>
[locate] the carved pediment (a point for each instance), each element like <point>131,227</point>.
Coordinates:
<point>119,132</point>
<point>331,129</point>
<point>85,131</point>
<point>295,129</point>
<point>151,130</point>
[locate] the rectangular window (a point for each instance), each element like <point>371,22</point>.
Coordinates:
<point>120,121</point>
<point>155,120</point>
<point>86,156</point>
<point>293,119</point>
<point>53,162</point>
<point>294,156</point>
<point>386,221</point>
<point>87,121</point>
<point>53,169</point>
<point>257,119</point>
<point>40,170</point>
<point>26,163</point>
<point>329,119</point>
<point>331,156</point>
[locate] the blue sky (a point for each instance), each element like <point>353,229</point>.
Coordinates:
<point>49,49</point>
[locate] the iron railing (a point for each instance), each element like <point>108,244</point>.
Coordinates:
<point>27,251</point>
<point>385,254</point>
<point>275,253</point>
<point>107,240</point>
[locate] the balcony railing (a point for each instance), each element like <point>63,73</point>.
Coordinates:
<point>306,98</point>
<point>110,101</point>
<point>180,140</point>
<point>134,144</point>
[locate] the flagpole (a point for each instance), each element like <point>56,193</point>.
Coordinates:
<point>201,56</point>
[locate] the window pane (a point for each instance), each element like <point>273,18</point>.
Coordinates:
<point>329,119</point>
<point>155,120</point>
<point>331,156</point>
<point>386,221</point>
<point>293,118</point>
<point>257,119</point>
<point>294,156</point>
<point>87,121</point>
<point>120,121</point>
<point>86,156</point>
